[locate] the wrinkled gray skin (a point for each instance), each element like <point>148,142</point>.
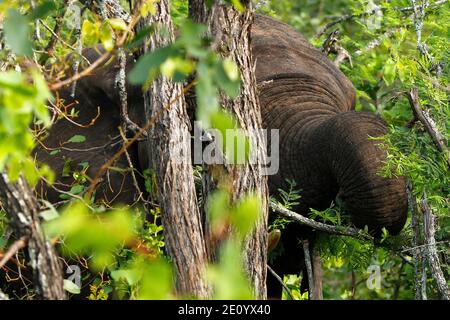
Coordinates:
<point>324,144</point>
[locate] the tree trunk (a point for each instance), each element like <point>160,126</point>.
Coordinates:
<point>231,31</point>
<point>21,207</point>
<point>169,154</point>
<point>317,273</point>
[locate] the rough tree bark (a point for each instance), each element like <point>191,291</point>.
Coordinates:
<point>433,258</point>
<point>169,154</point>
<point>21,207</point>
<point>317,273</point>
<point>231,31</point>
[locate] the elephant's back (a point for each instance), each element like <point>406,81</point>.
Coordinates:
<point>279,50</point>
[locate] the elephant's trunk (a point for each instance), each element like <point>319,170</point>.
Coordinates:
<point>327,149</point>
<point>354,161</point>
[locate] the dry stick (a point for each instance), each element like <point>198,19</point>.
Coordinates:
<point>309,270</point>
<point>127,123</point>
<point>141,131</point>
<point>420,277</point>
<point>79,51</point>
<point>285,287</point>
<point>50,48</point>
<point>344,231</point>
<point>16,246</point>
<point>433,259</point>
<point>130,164</point>
<point>428,123</point>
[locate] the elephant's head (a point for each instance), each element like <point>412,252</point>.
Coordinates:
<point>96,117</point>
<point>325,146</point>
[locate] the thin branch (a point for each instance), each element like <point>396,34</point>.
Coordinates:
<point>309,271</point>
<point>419,16</point>
<point>79,51</point>
<point>344,231</point>
<point>16,246</point>
<point>428,123</point>
<point>130,164</point>
<point>424,245</point>
<point>127,123</point>
<point>285,287</point>
<point>433,259</point>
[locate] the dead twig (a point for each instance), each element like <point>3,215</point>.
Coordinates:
<point>433,259</point>
<point>309,270</point>
<point>16,246</point>
<point>344,231</point>
<point>285,287</point>
<point>424,117</point>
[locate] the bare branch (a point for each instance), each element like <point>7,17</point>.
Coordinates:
<point>309,271</point>
<point>428,123</point>
<point>285,287</point>
<point>344,231</point>
<point>16,246</point>
<point>433,259</point>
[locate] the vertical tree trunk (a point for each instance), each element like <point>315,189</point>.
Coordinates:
<point>433,258</point>
<point>21,207</point>
<point>317,273</point>
<point>231,31</point>
<point>169,153</point>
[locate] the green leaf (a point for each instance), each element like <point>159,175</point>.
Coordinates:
<point>148,65</point>
<point>71,287</point>
<point>247,211</point>
<point>117,24</point>
<point>77,139</point>
<point>43,9</point>
<point>106,37</point>
<point>17,33</point>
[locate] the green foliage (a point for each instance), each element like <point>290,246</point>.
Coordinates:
<point>17,33</point>
<point>228,279</point>
<point>96,233</point>
<point>289,199</point>
<point>20,101</point>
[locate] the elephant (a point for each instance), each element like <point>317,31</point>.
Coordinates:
<point>97,109</point>
<point>325,145</point>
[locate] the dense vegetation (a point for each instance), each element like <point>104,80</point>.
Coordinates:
<point>396,53</point>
